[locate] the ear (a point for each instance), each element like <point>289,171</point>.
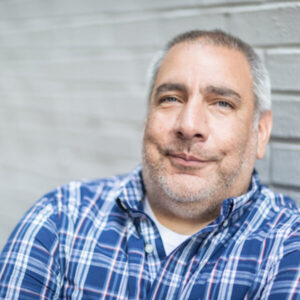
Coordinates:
<point>264,132</point>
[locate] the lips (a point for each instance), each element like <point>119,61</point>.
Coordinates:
<point>187,160</point>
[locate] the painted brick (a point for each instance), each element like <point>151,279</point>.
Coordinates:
<point>273,24</point>
<point>45,151</point>
<point>286,112</point>
<point>74,112</point>
<point>255,24</point>
<point>36,54</point>
<point>36,9</point>
<point>132,32</point>
<point>155,32</point>
<point>135,5</point>
<point>284,69</point>
<point>55,90</point>
<point>120,70</point>
<point>285,160</point>
<point>263,167</point>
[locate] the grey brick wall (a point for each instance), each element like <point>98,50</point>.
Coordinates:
<point>72,86</point>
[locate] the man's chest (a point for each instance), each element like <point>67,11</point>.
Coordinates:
<point>125,265</point>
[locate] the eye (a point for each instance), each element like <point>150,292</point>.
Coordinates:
<point>224,104</point>
<point>168,99</point>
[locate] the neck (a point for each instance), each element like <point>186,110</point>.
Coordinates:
<point>187,222</point>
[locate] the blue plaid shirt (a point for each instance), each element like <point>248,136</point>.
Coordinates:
<point>92,240</point>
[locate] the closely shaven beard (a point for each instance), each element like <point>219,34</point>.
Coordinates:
<point>156,173</point>
<point>181,204</point>
<point>184,202</point>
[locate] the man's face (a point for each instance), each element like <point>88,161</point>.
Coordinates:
<point>200,143</point>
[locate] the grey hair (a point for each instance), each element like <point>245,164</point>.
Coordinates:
<point>260,76</point>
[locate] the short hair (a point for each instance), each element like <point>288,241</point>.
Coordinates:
<point>259,74</point>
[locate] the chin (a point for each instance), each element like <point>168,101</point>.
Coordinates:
<point>183,195</point>
<point>180,187</point>
<point>185,188</point>
<point>187,197</point>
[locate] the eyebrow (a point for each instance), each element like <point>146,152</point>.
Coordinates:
<point>218,90</point>
<point>222,91</point>
<point>166,87</point>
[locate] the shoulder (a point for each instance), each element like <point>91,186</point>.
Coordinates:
<point>67,207</point>
<point>278,221</point>
<point>280,236</point>
<point>281,208</point>
<point>64,214</point>
<point>73,199</point>
<point>271,218</point>
<point>43,243</point>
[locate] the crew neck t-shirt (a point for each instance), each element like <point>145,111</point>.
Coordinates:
<point>170,238</point>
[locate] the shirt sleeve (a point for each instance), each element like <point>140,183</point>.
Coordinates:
<point>284,283</point>
<point>30,267</point>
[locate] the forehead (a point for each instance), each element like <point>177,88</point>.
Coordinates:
<point>198,64</point>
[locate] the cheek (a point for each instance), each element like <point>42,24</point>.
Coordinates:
<point>157,128</point>
<point>233,138</point>
<point>152,139</point>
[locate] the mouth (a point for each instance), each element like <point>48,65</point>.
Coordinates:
<point>186,160</point>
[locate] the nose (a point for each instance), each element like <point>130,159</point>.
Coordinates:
<point>192,121</point>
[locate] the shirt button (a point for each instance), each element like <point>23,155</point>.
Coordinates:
<point>225,224</point>
<point>148,248</point>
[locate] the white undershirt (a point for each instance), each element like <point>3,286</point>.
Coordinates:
<point>171,239</point>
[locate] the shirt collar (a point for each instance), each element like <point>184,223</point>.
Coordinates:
<point>235,206</point>
<point>131,192</point>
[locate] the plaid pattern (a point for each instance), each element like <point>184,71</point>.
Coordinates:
<point>87,240</point>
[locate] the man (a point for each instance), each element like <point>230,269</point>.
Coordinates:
<point>193,222</point>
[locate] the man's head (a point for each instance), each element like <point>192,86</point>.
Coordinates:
<point>260,76</point>
<point>201,140</point>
